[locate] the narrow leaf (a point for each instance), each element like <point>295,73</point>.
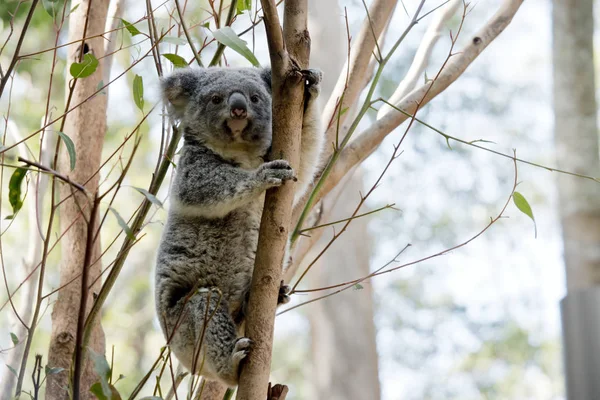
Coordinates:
<point>53,371</point>
<point>103,370</point>
<point>523,206</point>
<point>122,223</point>
<point>243,5</point>
<point>131,28</point>
<point>14,339</point>
<point>152,198</point>
<point>52,7</point>
<point>85,68</point>
<point>12,370</point>
<point>138,92</point>
<point>70,149</point>
<point>177,60</point>
<point>229,38</point>
<point>175,40</point>
<point>14,189</point>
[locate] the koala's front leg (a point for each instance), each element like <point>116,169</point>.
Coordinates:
<point>312,131</point>
<point>214,190</point>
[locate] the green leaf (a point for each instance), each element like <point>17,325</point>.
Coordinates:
<point>229,38</point>
<point>175,40</point>
<point>100,87</point>
<point>14,190</point>
<point>523,206</point>
<point>131,28</point>
<point>149,196</point>
<point>12,370</point>
<point>243,5</point>
<point>103,370</point>
<point>97,391</point>
<point>122,223</point>
<point>70,149</point>
<point>53,7</point>
<point>177,60</point>
<point>138,92</point>
<point>14,339</point>
<point>53,371</point>
<point>358,286</point>
<point>85,68</point>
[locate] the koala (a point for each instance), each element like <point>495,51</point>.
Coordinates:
<point>206,254</point>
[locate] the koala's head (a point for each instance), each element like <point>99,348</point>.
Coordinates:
<point>224,106</point>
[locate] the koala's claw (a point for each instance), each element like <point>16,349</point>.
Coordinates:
<point>275,173</point>
<point>284,294</point>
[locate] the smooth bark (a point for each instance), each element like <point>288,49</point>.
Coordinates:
<point>86,126</point>
<point>289,50</point>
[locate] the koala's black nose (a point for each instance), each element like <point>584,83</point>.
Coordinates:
<point>238,106</point>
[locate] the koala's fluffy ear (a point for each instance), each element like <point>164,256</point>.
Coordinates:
<point>265,74</point>
<point>178,88</point>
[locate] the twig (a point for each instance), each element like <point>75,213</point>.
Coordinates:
<point>15,58</point>
<point>187,34</point>
<point>55,173</point>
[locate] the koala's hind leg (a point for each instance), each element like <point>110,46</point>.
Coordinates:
<point>205,338</point>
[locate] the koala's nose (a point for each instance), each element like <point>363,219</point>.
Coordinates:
<point>238,106</point>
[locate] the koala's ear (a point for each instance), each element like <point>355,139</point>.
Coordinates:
<point>179,87</point>
<point>265,74</point>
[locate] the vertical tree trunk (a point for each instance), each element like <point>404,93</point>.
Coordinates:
<point>576,139</point>
<point>86,126</point>
<point>344,348</point>
<point>345,362</point>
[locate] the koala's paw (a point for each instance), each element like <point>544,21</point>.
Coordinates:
<point>312,79</point>
<point>241,349</point>
<point>284,294</point>
<point>275,173</point>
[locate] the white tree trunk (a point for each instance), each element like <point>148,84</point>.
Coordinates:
<point>576,139</point>
<point>344,351</point>
<point>344,348</point>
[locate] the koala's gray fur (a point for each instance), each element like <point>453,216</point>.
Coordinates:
<point>206,255</point>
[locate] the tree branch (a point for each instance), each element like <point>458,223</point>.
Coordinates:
<point>288,98</point>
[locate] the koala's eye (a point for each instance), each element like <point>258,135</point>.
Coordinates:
<point>254,98</point>
<point>216,99</point>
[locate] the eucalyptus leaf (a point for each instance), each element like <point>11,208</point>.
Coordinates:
<point>131,28</point>
<point>14,189</point>
<point>149,196</point>
<point>138,92</point>
<point>176,60</point>
<point>85,68</point>
<point>229,38</point>
<point>523,206</point>
<point>103,370</point>
<point>14,339</point>
<point>70,149</point>
<point>122,223</point>
<point>243,5</point>
<point>53,7</point>
<point>175,40</point>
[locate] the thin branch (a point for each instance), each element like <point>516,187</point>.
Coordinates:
<point>55,173</point>
<point>15,58</point>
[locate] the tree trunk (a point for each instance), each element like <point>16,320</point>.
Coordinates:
<point>344,347</point>
<point>576,140</point>
<point>86,126</point>
<point>345,362</point>
<point>289,50</point>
